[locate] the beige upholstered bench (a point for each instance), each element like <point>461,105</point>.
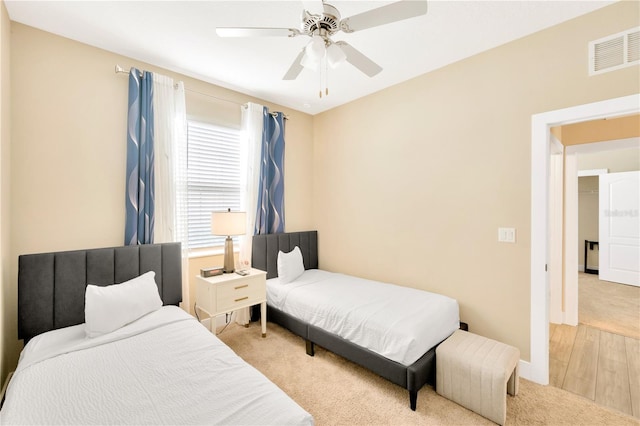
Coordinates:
<point>477,373</point>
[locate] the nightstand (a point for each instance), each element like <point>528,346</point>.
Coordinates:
<point>229,292</point>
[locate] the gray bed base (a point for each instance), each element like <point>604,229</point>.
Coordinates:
<point>51,286</point>
<point>264,256</point>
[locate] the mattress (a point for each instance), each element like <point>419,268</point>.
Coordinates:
<point>164,368</point>
<point>399,323</point>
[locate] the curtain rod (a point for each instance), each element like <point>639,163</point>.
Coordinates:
<point>273,114</point>
<point>119,69</point>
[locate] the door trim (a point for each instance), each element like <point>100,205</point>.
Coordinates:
<point>556,230</point>
<point>571,212</point>
<point>541,124</point>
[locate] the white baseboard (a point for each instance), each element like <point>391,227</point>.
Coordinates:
<point>580,268</point>
<point>563,319</point>
<point>569,319</point>
<point>524,369</point>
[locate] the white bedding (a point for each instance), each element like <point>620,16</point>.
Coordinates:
<point>399,323</point>
<point>165,368</point>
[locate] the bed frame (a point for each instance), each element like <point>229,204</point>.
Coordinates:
<point>264,256</point>
<point>51,286</point>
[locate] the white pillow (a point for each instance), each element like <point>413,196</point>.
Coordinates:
<point>107,308</point>
<point>290,265</point>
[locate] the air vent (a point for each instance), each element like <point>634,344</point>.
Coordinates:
<point>633,47</point>
<point>614,52</point>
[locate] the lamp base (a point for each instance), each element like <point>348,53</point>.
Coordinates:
<point>229,264</point>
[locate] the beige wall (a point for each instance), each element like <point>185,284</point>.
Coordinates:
<point>588,226</point>
<point>7,292</point>
<point>615,160</point>
<point>68,149</point>
<point>412,183</point>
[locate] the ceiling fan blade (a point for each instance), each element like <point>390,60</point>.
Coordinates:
<point>358,60</point>
<point>256,32</point>
<point>313,6</point>
<point>296,67</point>
<point>384,15</point>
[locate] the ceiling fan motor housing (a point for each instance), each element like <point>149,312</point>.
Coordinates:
<point>329,21</point>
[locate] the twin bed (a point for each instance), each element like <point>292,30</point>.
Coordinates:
<point>162,368</point>
<point>393,332</point>
<point>97,353</point>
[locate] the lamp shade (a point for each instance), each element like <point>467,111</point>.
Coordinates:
<point>335,55</point>
<point>316,48</point>
<point>309,63</point>
<point>228,223</point>
<point>313,53</point>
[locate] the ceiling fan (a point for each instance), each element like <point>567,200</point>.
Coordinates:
<point>326,22</point>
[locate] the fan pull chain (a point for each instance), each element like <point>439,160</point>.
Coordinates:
<point>322,71</point>
<point>324,68</point>
<point>320,88</point>
<point>326,77</point>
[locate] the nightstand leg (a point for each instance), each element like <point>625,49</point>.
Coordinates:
<point>263,318</point>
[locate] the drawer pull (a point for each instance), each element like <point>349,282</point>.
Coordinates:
<point>241,286</point>
<point>242,298</point>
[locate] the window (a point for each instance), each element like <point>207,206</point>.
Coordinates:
<point>213,179</point>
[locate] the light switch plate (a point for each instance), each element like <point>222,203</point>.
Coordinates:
<point>507,235</point>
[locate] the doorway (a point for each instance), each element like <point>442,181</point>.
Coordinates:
<point>593,355</point>
<point>538,368</point>
<point>597,158</point>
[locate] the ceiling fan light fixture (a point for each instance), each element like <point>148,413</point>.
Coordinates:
<point>308,62</point>
<point>335,55</point>
<point>316,49</point>
<point>313,53</point>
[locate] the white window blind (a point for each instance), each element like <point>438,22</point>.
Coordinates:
<point>213,179</point>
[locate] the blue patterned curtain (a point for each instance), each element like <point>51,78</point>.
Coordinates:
<point>140,162</point>
<point>270,213</point>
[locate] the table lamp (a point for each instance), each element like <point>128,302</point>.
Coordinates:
<point>228,223</point>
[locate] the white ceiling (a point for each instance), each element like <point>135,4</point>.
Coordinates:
<point>180,36</point>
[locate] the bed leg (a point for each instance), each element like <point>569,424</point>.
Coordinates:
<point>413,399</point>
<point>310,348</point>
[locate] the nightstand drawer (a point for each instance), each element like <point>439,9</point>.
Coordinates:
<point>238,294</point>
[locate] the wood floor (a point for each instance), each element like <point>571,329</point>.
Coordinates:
<point>596,364</point>
<point>600,358</point>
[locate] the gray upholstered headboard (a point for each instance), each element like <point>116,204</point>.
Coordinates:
<point>51,286</point>
<point>264,250</point>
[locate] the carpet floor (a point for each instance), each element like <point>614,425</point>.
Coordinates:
<point>338,392</point>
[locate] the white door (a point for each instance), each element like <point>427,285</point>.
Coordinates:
<point>619,235</point>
